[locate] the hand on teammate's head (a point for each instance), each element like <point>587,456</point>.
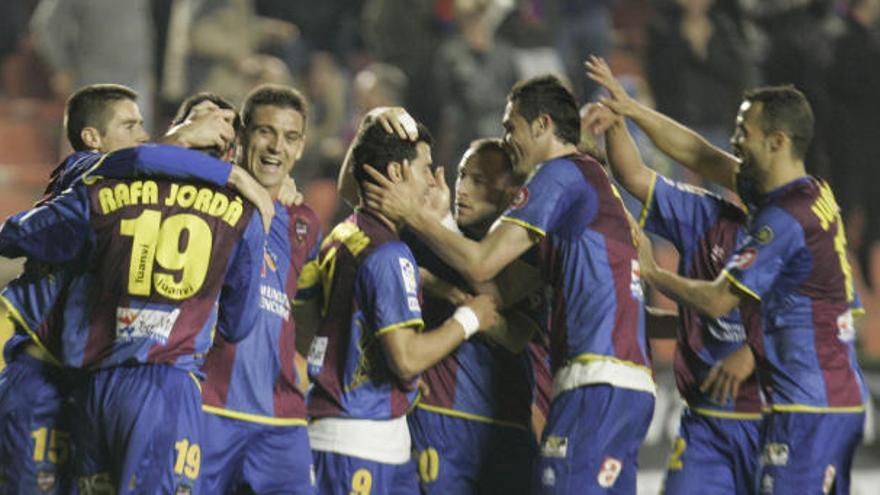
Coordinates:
<point>396,120</point>
<point>484,307</point>
<point>598,118</point>
<point>393,199</point>
<point>206,128</point>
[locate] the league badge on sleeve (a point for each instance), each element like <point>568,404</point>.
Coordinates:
<point>745,259</point>
<point>408,272</point>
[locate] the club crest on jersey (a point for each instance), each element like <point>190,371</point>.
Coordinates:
<point>408,273</point>
<point>268,262</point>
<point>301,228</point>
<point>745,259</point>
<point>141,323</point>
<point>764,235</point>
<point>521,198</point>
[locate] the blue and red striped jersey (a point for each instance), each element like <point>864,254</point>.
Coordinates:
<point>255,379</point>
<point>589,259</point>
<point>367,284</point>
<point>794,262</point>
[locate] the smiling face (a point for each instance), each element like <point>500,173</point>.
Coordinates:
<point>273,142</point>
<point>520,140</point>
<point>482,190</point>
<point>124,127</point>
<point>748,140</point>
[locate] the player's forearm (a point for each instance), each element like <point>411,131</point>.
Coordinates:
<point>462,254</point>
<point>425,349</point>
<point>626,163</point>
<point>513,331</point>
<point>707,297</point>
<point>686,147</point>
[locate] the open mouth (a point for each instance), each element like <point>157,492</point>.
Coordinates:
<point>462,208</point>
<point>270,162</point>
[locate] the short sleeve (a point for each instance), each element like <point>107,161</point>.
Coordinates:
<point>774,239</point>
<point>388,289</point>
<point>240,297</point>
<point>680,213</point>
<point>540,204</point>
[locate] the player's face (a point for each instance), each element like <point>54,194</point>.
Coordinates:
<point>124,128</point>
<point>420,167</point>
<point>748,139</point>
<point>519,140</point>
<point>481,189</point>
<point>273,142</point>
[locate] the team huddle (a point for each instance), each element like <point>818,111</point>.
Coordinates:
<point>169,286</point>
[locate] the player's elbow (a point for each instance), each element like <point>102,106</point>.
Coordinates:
<point>404,368</point>
<point>480,273</point>
<point>716,307</point>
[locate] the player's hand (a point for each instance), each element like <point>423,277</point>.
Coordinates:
<point>204,128</point>
<point>247,186</point>
<point>438,196</point>
<point>599,71</point>
<point>647,265</point>
<point>484,307</point>
<point>395,200</point>
<point>424,389</point>
<point>395,120</point>
<point>598,118</point>
<point>724,379</point>
<point>288,195</point>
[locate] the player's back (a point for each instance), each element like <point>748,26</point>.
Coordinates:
<point>161,251</point>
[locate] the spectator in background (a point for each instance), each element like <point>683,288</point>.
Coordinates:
<point>854,129</point>
<point>584,27</point>
<point>472,74</point>
<point>698,66</point>
<point>97,41</point>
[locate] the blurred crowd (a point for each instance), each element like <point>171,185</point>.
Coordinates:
<point>451,63</point>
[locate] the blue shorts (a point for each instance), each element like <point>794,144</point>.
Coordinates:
<point>713,455</point>
<point>808,452</point>
<point>35,450</point>
<point>269,459</point>
<point>462,456</point>
<point>339,474</point>
<point>591,441</point>
<point>139,431</point>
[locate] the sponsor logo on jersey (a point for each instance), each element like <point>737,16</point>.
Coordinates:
<point>555,446</point>
<point>635,284</point>
<point>775,454</point>
<point>141,323</point>
<point>828,480</point>
<point>609,472</point>
<point>745,259</point>
<point>408,272</point>
<point>274,301</point>
<point>521,198</point>
<point>413,303</point>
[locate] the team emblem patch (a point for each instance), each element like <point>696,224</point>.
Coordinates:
<point>609,472</point>
<point>45,481</point>
<point>745,259</point>
<point>408,272</point>
<point>302,230</point>
<point>554,446</point>
<point>764,235</point>
<point>521,198</point>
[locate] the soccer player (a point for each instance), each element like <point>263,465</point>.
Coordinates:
<point>35,449</point>
<point>716,449</point>
<point>255,416</point>
<point>142,316</point>
<point>603,388</point>
<point>794,263</point>
<point>480,397</point>
<point>369,347</point>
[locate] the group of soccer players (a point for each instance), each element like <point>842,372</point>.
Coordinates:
<point>166,293</point>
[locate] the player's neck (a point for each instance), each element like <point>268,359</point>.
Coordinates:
<point>387,221</point>
<point>782,173</point>
<point>558,148</point>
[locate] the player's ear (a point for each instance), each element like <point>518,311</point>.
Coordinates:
<point>540,125</point>
<point>777,140</point>
<point>395,171</point>
<point>91,138</point>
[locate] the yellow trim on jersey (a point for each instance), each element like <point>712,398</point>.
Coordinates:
<point>197,381</point>
<point>646,208</point>
<point>16,317</point>
<point>739,285</point>
<point>91,180</point>
<point>416,322</point>
<point>255,418</point>
<point>726,414</point>
<point>799,408</point>
<point>590,357</point>
<point>309,277</point>
<point>472,417</point>
<point>525,225</point>
<point>857,312</point>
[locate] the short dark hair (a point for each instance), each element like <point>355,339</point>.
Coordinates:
<point>376,147</point>
<point>484,146</point>
<point>187,105</point>
<point>547,94</point>
<point>87,107</point>
<point>274,95</point>
<point>785,109</point>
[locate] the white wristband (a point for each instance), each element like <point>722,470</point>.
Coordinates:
<point>468,320</point>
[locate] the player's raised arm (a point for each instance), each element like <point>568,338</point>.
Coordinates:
<point>623,155</point>
<point>681,143</point>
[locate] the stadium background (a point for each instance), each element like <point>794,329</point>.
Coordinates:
<point>450,62</point>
